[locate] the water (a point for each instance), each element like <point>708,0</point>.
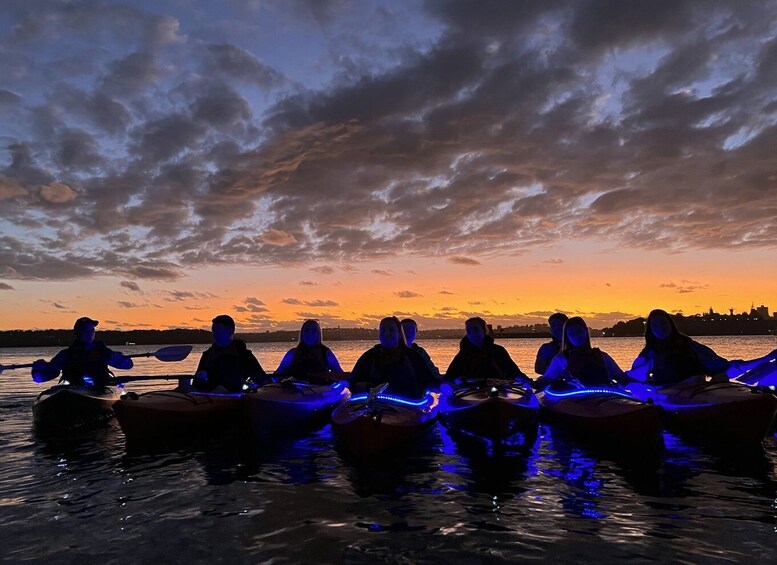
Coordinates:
<point>85,498</point>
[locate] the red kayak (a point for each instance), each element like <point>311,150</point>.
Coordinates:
<point>603,414</point>
<point>291,404</point>
<point>167,413</point>
<point>492,412</point>
<point>64,408</point>
<point>367,426</point>
<point>718,411</point>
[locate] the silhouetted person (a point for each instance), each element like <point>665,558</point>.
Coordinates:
<point>479,358</point>
<point>310,357</point>
<point>393,362</point>
<point>670,356</point>
<point>578,361</point>
<point>410,328</point>
<point>85,362</point>
<point>228,363</point>
<point>549,350</point>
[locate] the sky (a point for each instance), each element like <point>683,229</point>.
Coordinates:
<point>165,162</point>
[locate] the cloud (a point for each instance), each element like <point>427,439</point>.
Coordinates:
<point>310,303</point>
<point>131,285</point>
<point>407,294</point>
<point>278,237</point>
<point>125,304</point>
<point>308,283</point>
<point>685,286</point>
<point>553,261</point>
<point>446,292</point>
<point>252,304</point>
<point>477,132</point>
<point>457,260</point>
<point>5,286</point>
<point>381,272</point>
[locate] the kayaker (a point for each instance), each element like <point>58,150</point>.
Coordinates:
<point>549,350</point>
<point>410,328</point>
<point>85,362</point>
<point>589,366</point>
<point>393,362</point>
<point>479,358</point>
<point>311,357</point>
<point>228,363</point>
<point>671,357</point>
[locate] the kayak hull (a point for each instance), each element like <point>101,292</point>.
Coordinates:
<point>494,413</point>
<point>603,415</point>
<point>386,424</point>
<point>291,406</point>
<point>63,408</point>
<point>716,411</point>
<point>164,414</point>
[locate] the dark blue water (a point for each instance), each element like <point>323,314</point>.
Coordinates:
<point>86,498</point>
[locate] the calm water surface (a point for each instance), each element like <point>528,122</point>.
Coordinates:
<point>86,499</point>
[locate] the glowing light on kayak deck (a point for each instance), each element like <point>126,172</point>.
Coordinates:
<point>392,398</point>
<point>588,392</point>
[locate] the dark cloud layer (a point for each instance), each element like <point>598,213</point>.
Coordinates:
<point>508,126</point>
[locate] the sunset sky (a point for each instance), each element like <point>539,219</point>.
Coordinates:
<point>164,162</point>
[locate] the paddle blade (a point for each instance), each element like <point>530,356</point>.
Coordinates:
<point>173,353</point>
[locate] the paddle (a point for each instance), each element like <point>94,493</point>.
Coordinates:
<point>170,353</point>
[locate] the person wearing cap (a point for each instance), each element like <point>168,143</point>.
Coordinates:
<point>85,362</point>
<point>228,363</point>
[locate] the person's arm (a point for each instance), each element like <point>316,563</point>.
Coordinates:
<point>118,360</point>
<point>738,366</point>
<point>332,363</point>
<point>359,380</point>
<point>429,363</point>
<point>455,369</point>
<point>544,357</point>
<point>614,371</point>
<point>555,370</point>
<point>640,368</point>
<point>508,367</point>
<point>285,365</point>
<point>252,368</point>
<point>43,370</point>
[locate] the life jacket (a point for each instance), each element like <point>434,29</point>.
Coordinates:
<point>396,369</point>
<point>225,366</point>
<point>480,362</point>
<point>587,366</point>
<point>308,360</point>
<point>91,362</point>
<point>674,363</point>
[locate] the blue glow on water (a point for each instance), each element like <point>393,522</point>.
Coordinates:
<point>394,399</point>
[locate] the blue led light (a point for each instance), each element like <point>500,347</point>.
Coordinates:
<point>589,392</point>
<point>394,399</point>
<point>220,394</point>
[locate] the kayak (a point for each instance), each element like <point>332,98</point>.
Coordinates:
<point>491,412</point>
<point>605,414</point>
<point>168,413</point>
<point>291,404</point>
<point>720,411</point>
<point>385,422</point>
<point>65,408</point>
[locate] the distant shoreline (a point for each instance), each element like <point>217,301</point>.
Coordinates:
<point>117,338</point>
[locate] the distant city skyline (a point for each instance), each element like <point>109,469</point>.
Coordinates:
<point>165,162</point>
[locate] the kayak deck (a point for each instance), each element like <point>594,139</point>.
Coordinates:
<point>291,405</point>
<point>387,422</point>
<point>168,413</point>
<point>490,412</point>
<point>63,408</point>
